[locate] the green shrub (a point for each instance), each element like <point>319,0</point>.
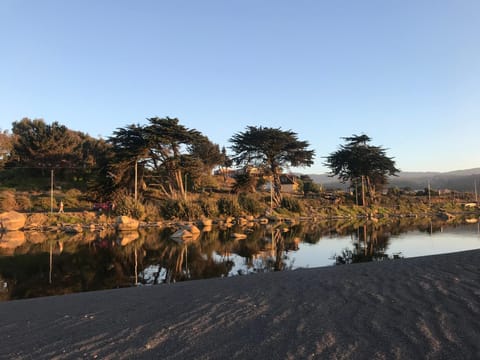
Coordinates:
<point>228,206</point>
<point>209,207</point>
<point>23,202</point>
<point>151,212</point>
<point>291,204</point>
<point>250,204</point>
<point>42,203</point>
<point>181,209</point>
<point>171,209</point>
<point>72,198</point>
<point>69,219</point>
<point>127,206</point>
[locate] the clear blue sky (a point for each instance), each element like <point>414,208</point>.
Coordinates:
<point>407,73</point>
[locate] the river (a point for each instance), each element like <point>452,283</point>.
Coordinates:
<point>54,263</point>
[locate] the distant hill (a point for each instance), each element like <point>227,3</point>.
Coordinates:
<point>459,180</point>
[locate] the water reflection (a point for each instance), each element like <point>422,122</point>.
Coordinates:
<point>370,243</point>
<point>38,264</point>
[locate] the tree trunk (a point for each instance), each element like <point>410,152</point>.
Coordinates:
<point>179,183</point>
<point>277,194</point>
<point>371,190</point>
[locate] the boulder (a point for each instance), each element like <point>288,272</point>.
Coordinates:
<point>72,229</point>
<point>126,237</point>
<point>239,236</point>
<point>125,223</point>
<point>36,237</point>
<point>192,228</point>
<point>12,239</point>
<point>181,233</point>
<point>9,241</point>
<point>36,221</point>
<point>207,228</point>
<point>12,221</point>
<point>206,222</point>
<point>184,235</point>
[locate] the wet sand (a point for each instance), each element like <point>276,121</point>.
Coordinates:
<point>426,308</point>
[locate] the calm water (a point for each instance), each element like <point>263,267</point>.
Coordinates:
<point>41,264</point>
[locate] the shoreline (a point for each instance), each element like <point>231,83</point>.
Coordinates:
<point>423,307</point>
<point>90,220</point>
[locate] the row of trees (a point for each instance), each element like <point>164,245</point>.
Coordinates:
<point>173,158</point>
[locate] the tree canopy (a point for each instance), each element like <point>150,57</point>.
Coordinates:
<point>165,151</point>
<point>5,147</point>
<point>358,160</point>
<point>37,146</point>
<point>270,149</point>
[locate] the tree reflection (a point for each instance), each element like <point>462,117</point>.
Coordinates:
<point>370,243</point>
<point>50,263</point>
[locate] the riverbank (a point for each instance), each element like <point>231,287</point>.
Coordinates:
<point>427,307</point>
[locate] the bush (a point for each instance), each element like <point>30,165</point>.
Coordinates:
<point>209,207</point>
<point>151,212</point>
<point>250,204</point>
<point>180,209</point>
<point>127,206</point>
<point>69,219</point>
<point>42,203</point>
<point>291,204</point>
<point>228,206</point>
<point>23,202</point>
<point>72,198</point>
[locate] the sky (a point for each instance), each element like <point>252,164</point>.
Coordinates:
<point>406,73</point>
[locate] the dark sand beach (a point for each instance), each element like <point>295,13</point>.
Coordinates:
<point>426,307</point>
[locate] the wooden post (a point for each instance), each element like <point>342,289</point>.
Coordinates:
<point>476,195</point>
<point>136,176</point>
<point>363,191</point>
<point>429,194</point>
<point>51,191</point>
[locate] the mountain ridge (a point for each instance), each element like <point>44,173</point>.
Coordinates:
<point>459,180</point>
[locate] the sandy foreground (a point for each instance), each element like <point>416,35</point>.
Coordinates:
<point>427,307</point>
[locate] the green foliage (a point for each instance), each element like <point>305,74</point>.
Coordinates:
<point>6,146</point>
<point>126,205</point>
<point>72,198</point>
<point>152,212</point>
<point>42,203</point>
<point>69,219</point>
<point>228,206</point>
<point>365,166</point>
<point>291,204</point>
<point>307,186</point>
<point>251,205</point>
<point>245,182</point>
<point>167,154</point>
<point>23,202</point>
<point>357,158</point>
<point>271,149</point>
<point>180,209</point>
<point>209,206</point>
<point>37,144</point>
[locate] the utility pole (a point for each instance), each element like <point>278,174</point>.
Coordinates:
<point>363,191</point>
<point>429,194</point>
<point>51,191</point>
<point>136,179</point>
<point>476,195</point>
